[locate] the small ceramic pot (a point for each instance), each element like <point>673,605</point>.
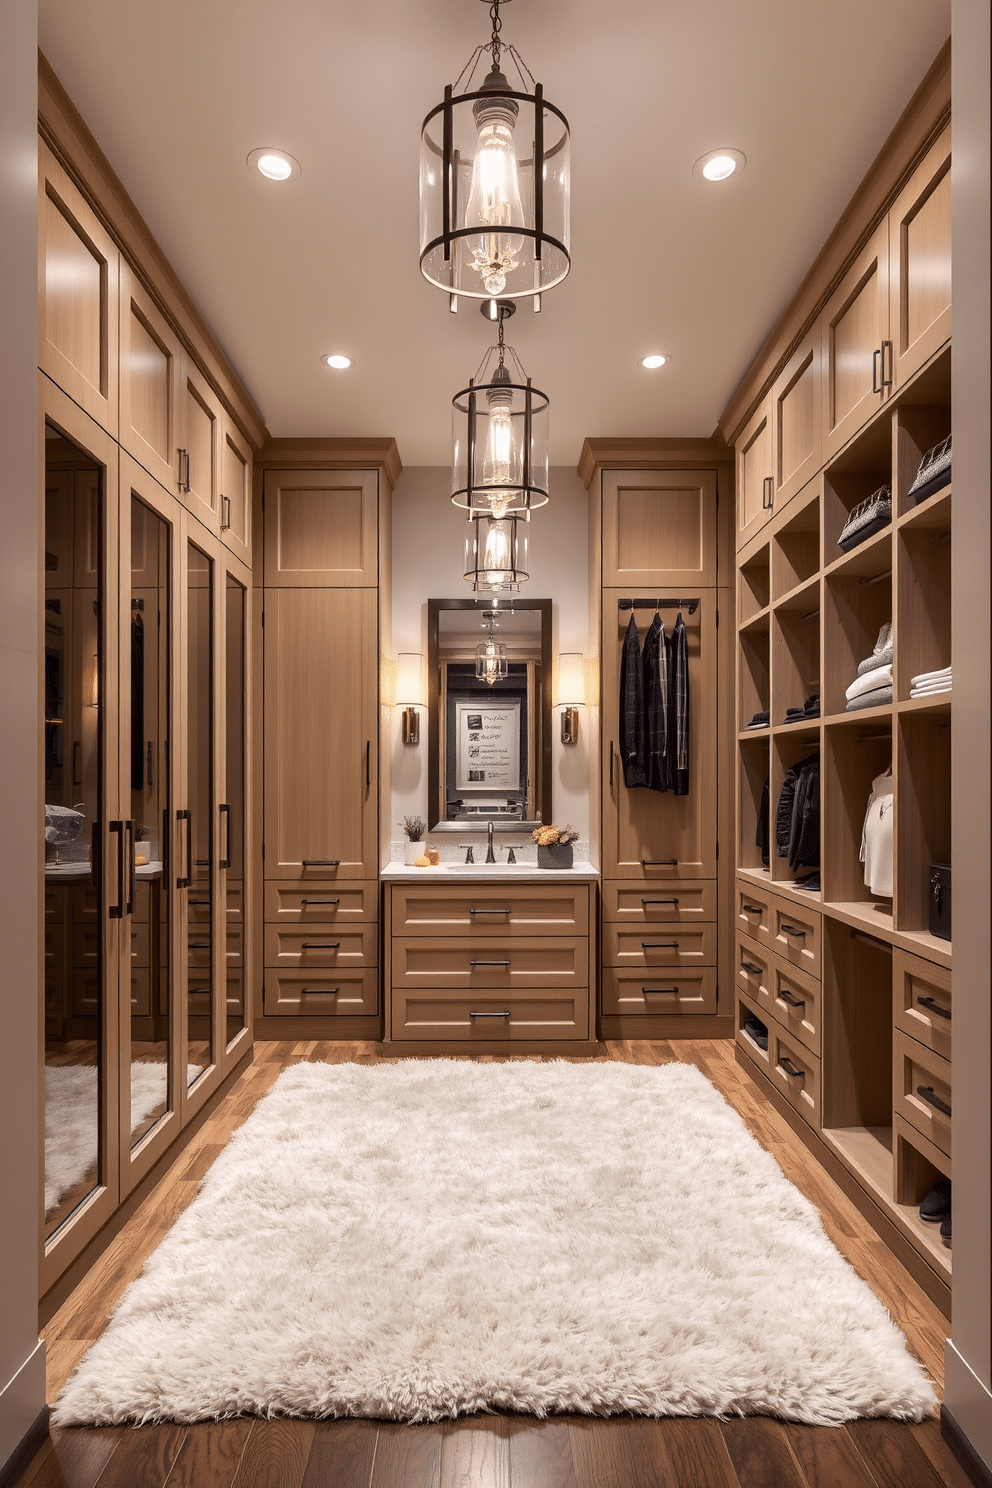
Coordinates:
<point>558,855</point>
<point>412,851</point>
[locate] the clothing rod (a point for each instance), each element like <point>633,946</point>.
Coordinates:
<point>872,940</point>
<point>811,616</point>
<point>877,579</point>
<point>871,738</point>
<point>692,605</point>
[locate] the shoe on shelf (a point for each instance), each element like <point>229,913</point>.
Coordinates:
<point>757,1032</point>
<point>937,1204</point>
<point>945,1230</point>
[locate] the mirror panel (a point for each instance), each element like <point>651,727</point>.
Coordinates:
<point>232,820</point>
<point>200,1045</point>
<point>489,703</point>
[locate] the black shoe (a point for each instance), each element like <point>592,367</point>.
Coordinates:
<point>945,1230</point>
<point>757,1032</point>
<point>937,1204</point>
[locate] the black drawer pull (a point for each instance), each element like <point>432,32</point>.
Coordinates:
<point>646,902</point>
<point>320,945</point>
<point>790,1068</point>
<point>507,910</point>
<point>505,1014</point>
<point>320,901</point>
<point>659,945</point>
<point>200,902</point>
<point>199,945</point>
<point>793,930</point>
<point>753,908</point>
<point>933,1006</point>
<point>331,991</point>
<point>792,1001</point>
<point>659,862</point>
<point>322,862</point>
<point>927,1093</point>
<point>191,990</point>
<point>660,991</point>
<point>489,963</point>
<point>751,968</point>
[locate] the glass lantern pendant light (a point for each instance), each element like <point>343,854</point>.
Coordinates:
<point>499,434</point>
<point>494,184</point>
<point>491,661</point>
<point>496,552</point>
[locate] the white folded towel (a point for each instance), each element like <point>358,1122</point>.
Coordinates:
<point>880,677</point>
<point>927,677</point>
<point>918,692</point>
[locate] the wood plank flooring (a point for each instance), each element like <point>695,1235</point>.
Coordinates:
<point>499,1451</point>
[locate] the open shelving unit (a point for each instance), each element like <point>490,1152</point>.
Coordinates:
<point>808,614</point>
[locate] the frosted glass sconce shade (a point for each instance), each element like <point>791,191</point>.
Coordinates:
<point>571,693</point>
<point>410,692</point>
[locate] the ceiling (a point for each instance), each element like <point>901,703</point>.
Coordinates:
<point>177,94</point>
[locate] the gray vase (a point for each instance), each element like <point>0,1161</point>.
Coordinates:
<point>557,855</point>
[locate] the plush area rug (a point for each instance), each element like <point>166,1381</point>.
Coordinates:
<point>435,1237</point>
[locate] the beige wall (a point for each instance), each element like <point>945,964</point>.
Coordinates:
<point>22,1358</point>
<point>969,1353</point>
<point>428,547</point>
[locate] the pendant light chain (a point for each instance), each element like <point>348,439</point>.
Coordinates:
<point>495,45</point>
<point>500,343</point>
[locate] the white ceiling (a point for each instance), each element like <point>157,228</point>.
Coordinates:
<point>177,94</point>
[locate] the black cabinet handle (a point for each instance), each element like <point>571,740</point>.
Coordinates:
<point>659,862</point>
<point>489,963</point>
<point>322,862</point>
<point>225,861</point>
<point>320,945</point>
<point>129,830</point>
<point>504,1014</point>
<point>796,1002</point>
<point>116,911</point>
<point>646,902</point>
<point>767,493</point>
<point>199,902</point>
<point>660,991</point>
<point>927,1093</point>
<point>875,386</point>
<point>884,381</point>
<point>751,968</point>
<point>933,1006</point>
<point>753,908</point>
<point>225,513</point>
<point>507,910</point>
<point>793,930</point>
<point>199,945</point>
<point>368,764</point>
<point>332,991</point>
<point>659,945</point>
<point>317,901</point>
<point>77,761</point>
<point>790,1068</point>
<point>184,882</point>
<point>611,764</point>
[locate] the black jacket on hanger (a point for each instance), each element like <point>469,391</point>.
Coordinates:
<point>804,838</point>
<point>678,708</point>
<point>655,666</point>
<point>632,710</point>
<point>761,834</point>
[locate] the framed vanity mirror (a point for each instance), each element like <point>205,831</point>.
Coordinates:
<point>489,713</point>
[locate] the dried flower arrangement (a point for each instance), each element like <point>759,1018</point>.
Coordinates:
<point>550,836</point>
<point>414,827</point>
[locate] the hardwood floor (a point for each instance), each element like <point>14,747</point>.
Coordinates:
<point>501,1451</point>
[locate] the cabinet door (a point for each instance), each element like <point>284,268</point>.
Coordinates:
<point>659,529</point>
<point>797,410</point>
<point>78,267</point>
<point>650,834</point>
<point>321,528</point>
<point>150,356</point>
<point>755,480</point>
<point>920,263</point>
<point>857,351</point>
<point>235,489</point>
<point>200,423</point>
<point>320,705</point>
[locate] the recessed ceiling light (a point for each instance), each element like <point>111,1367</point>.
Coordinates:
<point>719,165</point>
<point>337,361</point>
<point>274,164</point>
<point>656,359</point>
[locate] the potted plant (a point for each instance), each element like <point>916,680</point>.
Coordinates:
<point>554,846</point>
<point>414,827</point>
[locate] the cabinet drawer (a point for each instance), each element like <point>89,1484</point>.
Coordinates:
<point>922,993</point>
<point>309,995</point>
<point>86,944</point>
<point>681,945</point>
<point>754,913</point>
<point>754,973</point>
<point>141,993</point>
<point>557,962</point>
<point>795,1002</point>
<point>199,905</point>
<point>796,936</point>
<point>684,992</point>
<point>795,1072</point>
<point>638,903</point>
<point>294,904</point>
<point>523,1014</point>
<point>55,948</point>
<point>922,1089</point>
<point>490,908</point>
<point>352,945</point>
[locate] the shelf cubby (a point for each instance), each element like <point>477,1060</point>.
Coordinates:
<point>790,747</point>
<point>923,594</point>
<point>856,473</point>
<point>857,602</point>
<point>795,555</point>
<point>753,771</point>
<point>857,1049</point>
<point>923,801</point>
<point>796,650</point>
<point>856,750</point>
<point>752,675</point>
<point>754,586</point>
<point>917,1166</point>
<point>922,418</point>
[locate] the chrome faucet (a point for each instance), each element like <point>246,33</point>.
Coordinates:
<point>490,855</point>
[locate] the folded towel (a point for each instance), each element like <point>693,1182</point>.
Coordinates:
<point>918,692</point>
<point>879,677</point>
<point>926,677</point>
<point>874,699</point>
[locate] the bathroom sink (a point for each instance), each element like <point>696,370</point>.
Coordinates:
<point>493,869</point>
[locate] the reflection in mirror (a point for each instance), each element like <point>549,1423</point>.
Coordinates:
<point>74,728</point>
<point>200,728</point>
<point>232,819</point>
<point>490,708</point>
<point>147,764</point>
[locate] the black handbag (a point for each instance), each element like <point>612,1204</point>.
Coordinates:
<point>940,900</point>
<point>867,517</point>
<point>934,472</point>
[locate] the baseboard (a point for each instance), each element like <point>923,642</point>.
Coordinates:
<point>657,1026</point>
<point>25,1450</point>
<point>52,1300</point>
<point>975,1466</point>
<point>343,1030</point>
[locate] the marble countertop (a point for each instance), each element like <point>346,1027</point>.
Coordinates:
<point>453,873</point>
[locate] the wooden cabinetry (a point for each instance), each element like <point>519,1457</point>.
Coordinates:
<point>857,351</point>
<point>755,473</point>
<point>321,529</point>
<point>920,263</point>
<point>491,965</point>
<point>150,399</point>
<point>659,529</point>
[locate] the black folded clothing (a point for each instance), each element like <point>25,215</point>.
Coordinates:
<point>811,882</point>
<point>760,720</point>
<point>809,709</point>
<point>757,1031</point>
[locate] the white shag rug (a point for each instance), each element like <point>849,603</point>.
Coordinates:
<point>72,1127</point>
<point>435,1238</point>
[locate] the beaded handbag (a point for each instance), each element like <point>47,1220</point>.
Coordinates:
<point>867,517</point>
<point>934,472</point>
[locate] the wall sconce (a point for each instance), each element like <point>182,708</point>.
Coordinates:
<point>410,692</point>
<point>571,693</point>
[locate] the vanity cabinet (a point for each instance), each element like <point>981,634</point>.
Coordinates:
<point>495,965</point>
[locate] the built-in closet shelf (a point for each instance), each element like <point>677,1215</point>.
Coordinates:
<point>801,600</point>
<point>759,624</point>
<point>783,887</point>
<point>869,560</point>
<point>755,733</point>
<point>804,726</point>
<point>936,707</point>
<point>934,514</point>
<point>862,915</point>
<point>859,716</point>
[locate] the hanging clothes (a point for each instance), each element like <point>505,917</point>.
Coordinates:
<point>655,667</point>
<point>761,833</point>
<point>632,709</point>
<point>678,708</point>
<point>804,836</point>
<point>137,701</point>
